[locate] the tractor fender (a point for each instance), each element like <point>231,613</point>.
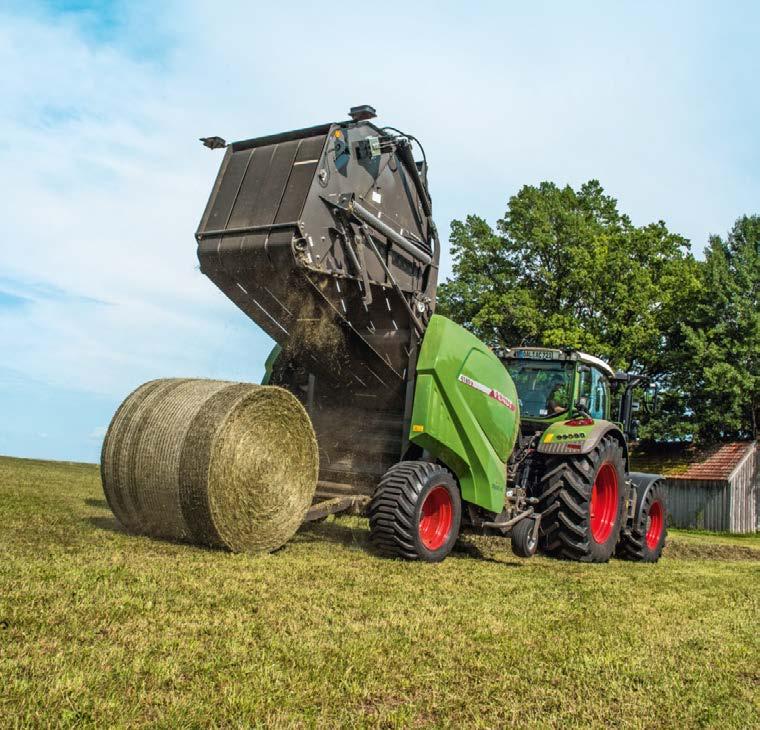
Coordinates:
<point>563,439</point>
<point>643,484</point>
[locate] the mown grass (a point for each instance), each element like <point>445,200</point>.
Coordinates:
<point>702,537</point>
<point>99,628</point>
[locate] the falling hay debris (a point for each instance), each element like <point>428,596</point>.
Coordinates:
<point>229,465</point>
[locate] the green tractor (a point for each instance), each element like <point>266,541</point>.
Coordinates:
<point>565,405</point>
<point>524,445</point>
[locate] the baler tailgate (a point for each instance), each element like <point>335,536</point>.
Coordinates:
<point>321,236</point>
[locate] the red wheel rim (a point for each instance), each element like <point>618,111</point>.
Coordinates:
<point>436,517</point>
<point>604,503</point>
<point>656,523</point>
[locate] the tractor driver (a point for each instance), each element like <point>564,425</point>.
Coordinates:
<point>557,400</point>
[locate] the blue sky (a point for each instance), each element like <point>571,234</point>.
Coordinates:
<point>105,181</point>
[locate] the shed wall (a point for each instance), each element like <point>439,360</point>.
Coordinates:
<point>699,504</point>
<point>720,505</point>
<point>744,494</point>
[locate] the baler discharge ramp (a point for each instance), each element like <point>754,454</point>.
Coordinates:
<point>324,237</point>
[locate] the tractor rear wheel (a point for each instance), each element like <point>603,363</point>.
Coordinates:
<point>643,538</point>
<point>415,512</point>
<point>582,500</point>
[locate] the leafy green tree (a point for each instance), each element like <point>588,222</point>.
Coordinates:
<point>714,352</point>
<point>565,268</point>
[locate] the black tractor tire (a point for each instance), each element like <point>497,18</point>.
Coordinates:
<point>582,502</point>
<point>645,540</point>
<point>416,512</point>
<point>524,544</point>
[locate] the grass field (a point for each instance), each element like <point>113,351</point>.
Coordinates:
<point>103,629</point>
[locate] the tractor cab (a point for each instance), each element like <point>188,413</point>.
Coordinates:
<point>554,385</point>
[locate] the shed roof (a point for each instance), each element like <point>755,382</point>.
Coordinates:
<point>719,463</point>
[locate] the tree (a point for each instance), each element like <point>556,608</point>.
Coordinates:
<point>566,268</point>
<point>714,353</point>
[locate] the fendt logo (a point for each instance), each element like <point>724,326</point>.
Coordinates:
<point>490,392</point>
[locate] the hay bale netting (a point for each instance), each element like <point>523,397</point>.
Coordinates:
<point>230,465</point>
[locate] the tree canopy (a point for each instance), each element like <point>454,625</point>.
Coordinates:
<point>565,268</point>
<point>713,353</point>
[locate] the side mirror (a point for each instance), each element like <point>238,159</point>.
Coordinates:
<point>650,399</point>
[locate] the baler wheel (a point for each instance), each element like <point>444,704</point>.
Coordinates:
<point>415,512</point>
<point>582,503</point>
<point>643,539</point>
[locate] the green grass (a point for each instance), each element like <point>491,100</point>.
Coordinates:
<point>103,629</point>
<point>702,537</point>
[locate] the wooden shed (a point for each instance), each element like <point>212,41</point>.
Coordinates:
<point>721,493</point>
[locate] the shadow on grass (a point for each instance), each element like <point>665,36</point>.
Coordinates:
<point>348,536</point>
<point>352,536</point>
<point>110,524</point>
<point>469,550</point>
<point>91,502</point>
<point>334,532</point>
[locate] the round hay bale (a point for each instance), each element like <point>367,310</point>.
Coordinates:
<point>229,465</point>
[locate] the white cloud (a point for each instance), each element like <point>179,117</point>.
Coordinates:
<point>105,179</point>
<point>108,183</point>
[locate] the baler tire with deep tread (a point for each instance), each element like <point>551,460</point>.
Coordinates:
<point>569,488</point>
<point>644,541</point>
<point>415,512</point>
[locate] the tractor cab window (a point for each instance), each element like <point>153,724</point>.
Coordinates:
<point>595,389</point>
<point>543,387</point>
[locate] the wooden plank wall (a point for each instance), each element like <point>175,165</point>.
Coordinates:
<point>699,504</point>
<point>744,490</point>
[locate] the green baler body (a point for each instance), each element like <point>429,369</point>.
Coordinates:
<point>466,411</point>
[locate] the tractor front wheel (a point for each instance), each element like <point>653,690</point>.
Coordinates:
<point>582,500</point>
<point>415,512</point>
